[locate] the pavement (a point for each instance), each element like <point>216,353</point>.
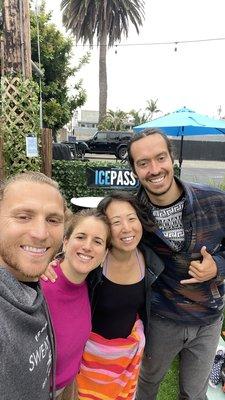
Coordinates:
<point>208,172</point>
<point>202,164</point>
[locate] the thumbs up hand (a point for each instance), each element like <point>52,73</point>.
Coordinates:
<point>201,271</point>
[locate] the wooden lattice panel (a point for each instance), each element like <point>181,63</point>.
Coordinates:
<point>20,118</point>
<point>14,103</point>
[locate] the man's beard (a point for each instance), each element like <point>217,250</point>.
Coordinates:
<point>10,260</point>
<point>158,194</point>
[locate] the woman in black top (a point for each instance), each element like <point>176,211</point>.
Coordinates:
<point>120,296</point>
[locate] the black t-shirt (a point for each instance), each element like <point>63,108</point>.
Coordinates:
<point>33,284</point>
<point>117,308</point>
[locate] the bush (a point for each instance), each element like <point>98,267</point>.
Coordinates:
<point>176,169</point>
<point>71,177</point>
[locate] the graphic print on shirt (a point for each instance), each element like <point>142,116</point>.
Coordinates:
<point>169,220</point>
<point>42,353</point>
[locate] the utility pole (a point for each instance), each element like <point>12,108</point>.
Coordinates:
<point>16,34</point>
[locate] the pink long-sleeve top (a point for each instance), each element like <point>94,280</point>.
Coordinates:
<point>71,318</point>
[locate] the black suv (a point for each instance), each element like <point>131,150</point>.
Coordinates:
<point>109,142</point>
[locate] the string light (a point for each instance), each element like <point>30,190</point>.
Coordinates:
<point>159,43</point>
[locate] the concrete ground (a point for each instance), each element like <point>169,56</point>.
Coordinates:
<point>203,164</point>
<point>209,172</point>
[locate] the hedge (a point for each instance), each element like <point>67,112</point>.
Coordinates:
<point>71,176</point>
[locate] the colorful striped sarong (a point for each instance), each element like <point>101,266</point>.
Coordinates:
<point>110,367</point>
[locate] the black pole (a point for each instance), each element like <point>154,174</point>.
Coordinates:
<point>181,149</point>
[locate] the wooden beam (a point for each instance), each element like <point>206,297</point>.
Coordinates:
<point>1,55</point>
<point>26,37</point>
<point>16,32</point>
<point>46,151</point>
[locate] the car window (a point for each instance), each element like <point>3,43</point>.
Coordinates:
<point>101,136</point>
<point>113,136</point>
<point>126,136</point>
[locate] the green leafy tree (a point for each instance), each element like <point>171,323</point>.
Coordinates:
<point>58,99</point>
<point>107,20</point>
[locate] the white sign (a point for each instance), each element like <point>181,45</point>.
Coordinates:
<point>31,146</point>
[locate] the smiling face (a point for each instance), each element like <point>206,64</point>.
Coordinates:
<point>154,168</point>
<point>126,229</point>
<point>31,228</point>
<point>85,249</point>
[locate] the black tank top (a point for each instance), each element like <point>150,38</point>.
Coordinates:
<point>117,308</point>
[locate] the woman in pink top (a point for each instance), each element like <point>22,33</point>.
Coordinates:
<point>85,243</point>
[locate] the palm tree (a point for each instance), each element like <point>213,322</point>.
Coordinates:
<point>152,108</point>
<point>108,20</point>
<point>114,120</point>
<point>138,117</point>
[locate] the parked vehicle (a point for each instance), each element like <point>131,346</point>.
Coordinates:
<point>108,142</point>
<point>77,148</point>
<point>60,151</point>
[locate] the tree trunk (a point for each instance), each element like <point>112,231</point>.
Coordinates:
<point>102,76</point>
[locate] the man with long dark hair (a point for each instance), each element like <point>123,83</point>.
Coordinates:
<point>184,224</point>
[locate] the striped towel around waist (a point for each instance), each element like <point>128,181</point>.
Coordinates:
<point>110,367</point>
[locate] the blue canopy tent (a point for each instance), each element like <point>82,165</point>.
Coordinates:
<point>185,122</point>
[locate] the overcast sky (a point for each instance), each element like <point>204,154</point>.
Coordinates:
<point>193,76</point>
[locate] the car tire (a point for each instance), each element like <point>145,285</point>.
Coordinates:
<point>122,152</point>
<point>80,153</point>
<point>81,148</point>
